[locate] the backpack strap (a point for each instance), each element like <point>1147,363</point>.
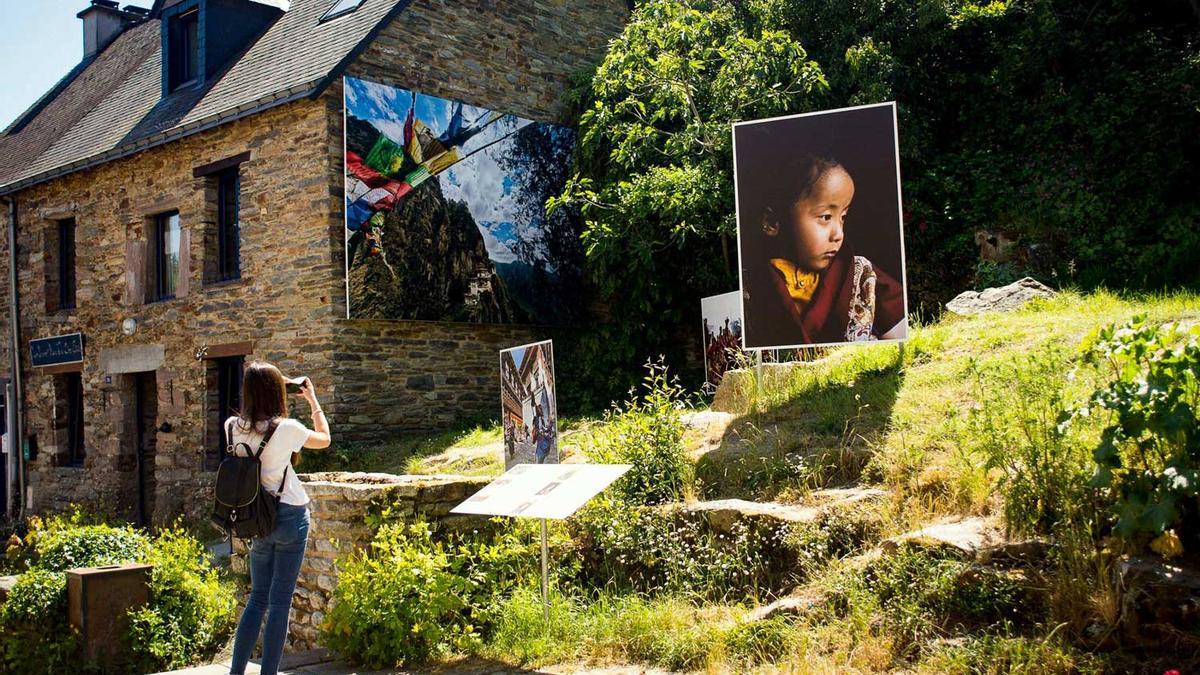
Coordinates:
<point>265,439</point>
<point>284,479</point>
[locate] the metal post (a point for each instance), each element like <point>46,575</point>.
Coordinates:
<point>10,460</point>
<point>758,378</point>
<point>545,579</point>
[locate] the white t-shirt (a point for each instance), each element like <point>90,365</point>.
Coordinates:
<point>290,436</point>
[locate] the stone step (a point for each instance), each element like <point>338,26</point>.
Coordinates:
<point>973,538</point>
<point>722,515</point>
<point>797,604</point>
<point>964,536</point>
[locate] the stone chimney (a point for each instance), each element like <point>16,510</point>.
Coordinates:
<point>103,21</point>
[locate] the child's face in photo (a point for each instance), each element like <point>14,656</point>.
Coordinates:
<point>816,223</point>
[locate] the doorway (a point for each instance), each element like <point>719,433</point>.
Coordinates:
<point>145,427</point>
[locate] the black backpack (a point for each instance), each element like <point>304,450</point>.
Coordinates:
<point>243,509</point>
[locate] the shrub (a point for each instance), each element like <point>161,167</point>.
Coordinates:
<point>1148,458</point>
<point>63,545</point>
<point>651,551</point>
<point>400,602</point>
<point>913,595</point>
<point>17,550</point>
<point>500,562</point>
<point>1043,467</point>
<point>191,609</point>
<point>835,534</point>
<point>34,634</point>
<point>647,433</point>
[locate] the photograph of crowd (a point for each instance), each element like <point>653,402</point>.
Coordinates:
<point>528,408</point>
<point>821,250</point>
<point>722,335</point>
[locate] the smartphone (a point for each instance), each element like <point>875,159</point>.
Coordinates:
<point>295,385</point>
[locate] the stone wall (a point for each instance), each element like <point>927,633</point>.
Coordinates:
<point>289,305</point>
<point>407,375</point>
<point>515,56</point>
<point>280,309</point>
<point>340,503</point>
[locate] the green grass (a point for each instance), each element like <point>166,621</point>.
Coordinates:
<point>473,449</point>
<point>903,409</point>
<point>665,632</point>
<point>921,421</point>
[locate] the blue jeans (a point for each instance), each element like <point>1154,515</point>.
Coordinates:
<point>274,567</point>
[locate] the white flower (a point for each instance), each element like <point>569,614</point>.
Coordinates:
<point>1177,482</point>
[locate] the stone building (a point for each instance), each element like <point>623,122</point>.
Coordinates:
<point>175,208</point>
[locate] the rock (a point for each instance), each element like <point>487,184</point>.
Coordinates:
<point>738,387</point>
<point>704,430</point>
<point>964,536</point>
<point>1157,593</point>
<point>6,584</point>
<point>1002,299</point>
<point>1024,551</point>
<point>722,515</point>
<point>789,605</point>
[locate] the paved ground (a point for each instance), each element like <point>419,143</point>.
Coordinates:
<point>320,662</point>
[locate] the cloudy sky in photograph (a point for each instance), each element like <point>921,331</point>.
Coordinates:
<point>479,180</point>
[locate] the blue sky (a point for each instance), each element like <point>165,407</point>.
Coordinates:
<point>40,40</point>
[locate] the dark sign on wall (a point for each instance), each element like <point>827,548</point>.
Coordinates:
<point>57,350</point>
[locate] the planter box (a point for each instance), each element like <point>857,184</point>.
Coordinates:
<point>97,600</point>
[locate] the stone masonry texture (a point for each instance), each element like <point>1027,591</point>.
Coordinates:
<point>289,305</point>
<point>339,508</point>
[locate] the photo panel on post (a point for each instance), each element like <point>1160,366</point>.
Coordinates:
<point>446,212</point>
<point>820,239</point>
<point>722,332</point>
<point>528,408</point>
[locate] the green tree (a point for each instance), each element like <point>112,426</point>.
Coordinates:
<point>654,170</point>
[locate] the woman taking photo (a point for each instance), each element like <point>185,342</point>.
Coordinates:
<point>274,559</point>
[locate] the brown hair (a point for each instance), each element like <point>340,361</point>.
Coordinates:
<point>264,394</point>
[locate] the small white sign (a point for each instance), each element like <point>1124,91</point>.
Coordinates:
<point>553,491</point>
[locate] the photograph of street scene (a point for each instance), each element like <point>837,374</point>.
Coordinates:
<point>529,410</point>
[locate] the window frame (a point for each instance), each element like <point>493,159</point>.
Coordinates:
<point>183,49</point>
<point>229,229</point>
<point>158,242</point>
<point>76,452</point>
<point>333,12</point>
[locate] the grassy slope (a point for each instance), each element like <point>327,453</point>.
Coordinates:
<point>473,450</point>
<point>869,414</point>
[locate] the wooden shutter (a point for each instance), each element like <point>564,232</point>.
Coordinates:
<point>135,272</point>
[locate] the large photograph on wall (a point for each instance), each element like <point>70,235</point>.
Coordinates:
<point>820,244</point>
<point>445,212</point>
<point>528,407</point>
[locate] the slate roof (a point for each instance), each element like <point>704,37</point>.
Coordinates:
<point>114,106</point>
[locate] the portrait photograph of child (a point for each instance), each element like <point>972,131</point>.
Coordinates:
<point>820,244</point>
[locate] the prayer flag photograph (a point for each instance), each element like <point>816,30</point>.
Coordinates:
<point>446,215</point>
